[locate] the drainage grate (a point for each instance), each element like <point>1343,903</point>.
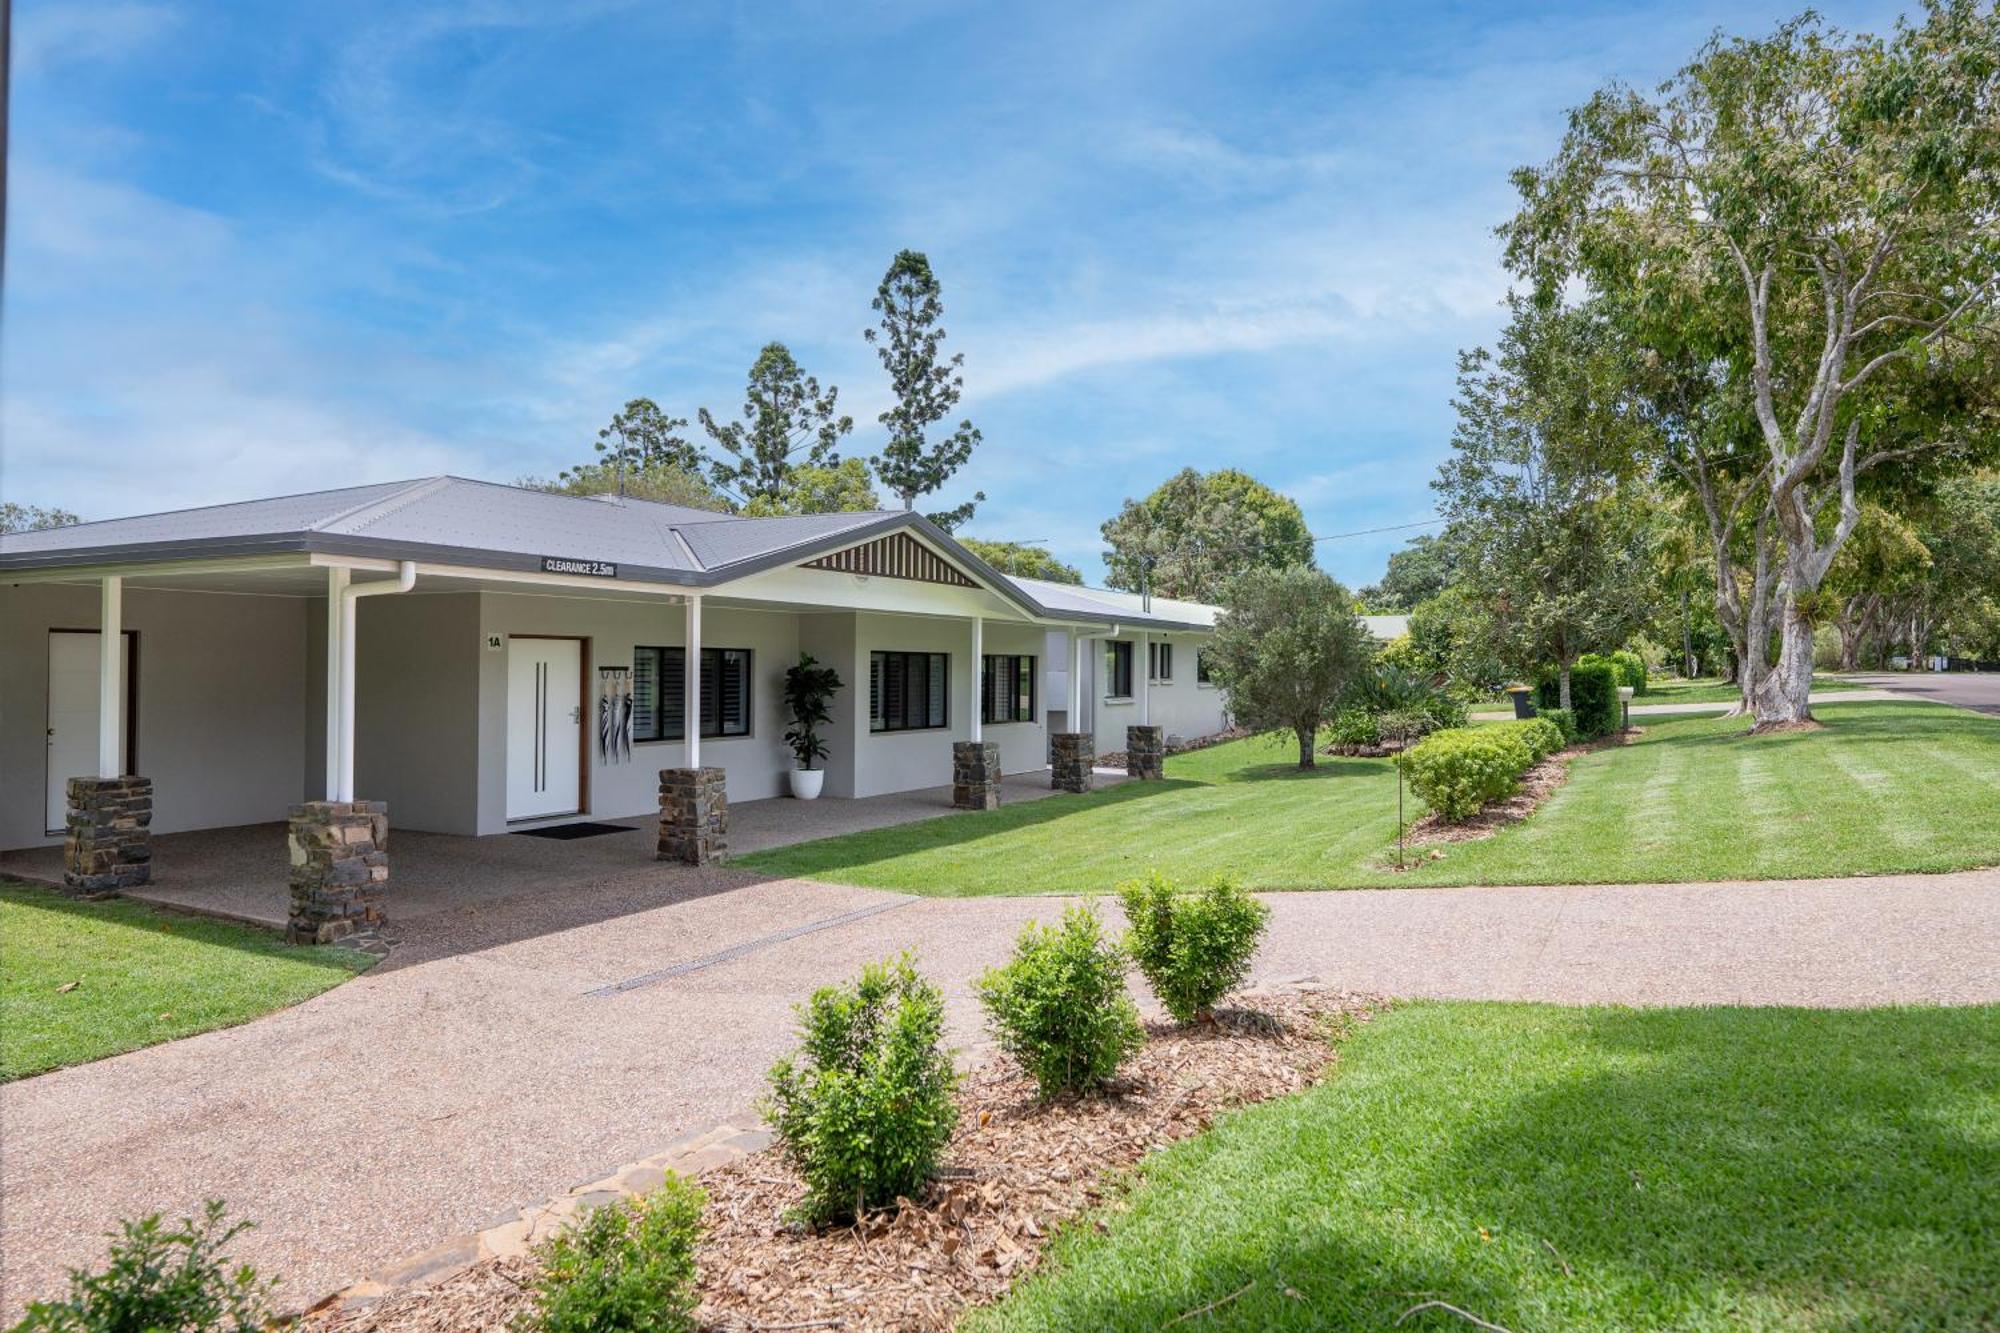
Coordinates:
<point>749,947</point>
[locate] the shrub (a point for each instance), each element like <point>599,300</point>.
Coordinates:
<point>627,1265</point>
<point>863,1108</point>
<point>161,1278</point>
<point>1626,666</point>
<point>1565,720</point>
<point>1456,772</point>
<point>1194,947</point>
<point>1542,737</point>
<point>1060,1007</point>
<point>1593,694</point>
<point>1392,688</point>
<point>1355,726</point>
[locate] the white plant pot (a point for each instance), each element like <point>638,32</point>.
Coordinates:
<point>806,782</point>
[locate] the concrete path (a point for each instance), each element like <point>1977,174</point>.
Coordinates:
<point>505,1054</point>
<point>1722,705</point>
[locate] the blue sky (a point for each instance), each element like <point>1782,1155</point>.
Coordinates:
<point>267,248</point>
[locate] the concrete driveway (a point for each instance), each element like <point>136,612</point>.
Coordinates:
<point>1977,690</point>
<point>506,1054</point>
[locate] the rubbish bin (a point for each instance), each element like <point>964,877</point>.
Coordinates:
<point>1524,700</point>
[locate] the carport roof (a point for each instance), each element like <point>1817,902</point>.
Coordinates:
<point>462,521</point>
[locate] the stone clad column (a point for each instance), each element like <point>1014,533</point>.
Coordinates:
<point>108,834</point>
<point>694,815</point>
<point>340,869</point>
<point>1146,752</point>
<point>1072,755</point>
<point>975,775</point>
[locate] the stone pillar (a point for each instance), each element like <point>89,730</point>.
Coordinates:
<point>694,815</point>
<point>108,838</point>
<point>975,775</point>
<point>1146,752</point>
<point>340,869</point>
<point>1073,754</point>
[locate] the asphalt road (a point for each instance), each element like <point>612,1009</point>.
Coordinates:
<point>1978,690</point>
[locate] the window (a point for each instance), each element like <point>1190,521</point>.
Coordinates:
<point>907,691</point>
<point>1201,667</point>
<point>1007,689</point>
<point>1159,661</point>
<point>1118,669</point>
<point>659,693</point>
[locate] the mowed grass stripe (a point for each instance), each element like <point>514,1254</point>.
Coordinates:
<point>1883,787</point>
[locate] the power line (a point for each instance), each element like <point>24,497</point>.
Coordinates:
<point>1369,532</point>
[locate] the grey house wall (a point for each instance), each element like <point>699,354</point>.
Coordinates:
<point>221,707</point>
<point>1184,708</point>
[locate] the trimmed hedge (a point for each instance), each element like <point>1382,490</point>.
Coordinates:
<point>1543,736</point>
<point>1628,666</point>
<point>1593,694</point>
<point>1455,772</point>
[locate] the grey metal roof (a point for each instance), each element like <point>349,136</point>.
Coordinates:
<point>456,520</point>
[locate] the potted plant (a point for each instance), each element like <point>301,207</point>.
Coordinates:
<point>809,688</point>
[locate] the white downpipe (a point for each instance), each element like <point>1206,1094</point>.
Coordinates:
<point>111,678</point>
<point>406,579</point>
<point>337,577</point>
<point>691,675</point>
<point>977,675</point>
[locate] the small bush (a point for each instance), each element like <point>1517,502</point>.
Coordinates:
<point>1456,772</point>
<point>1355,726</point>
<point>1565,720</point>
<point>1542,737</point>
<point>627,1265</point>
<point>1593,694</point>
<point>1194,947</point>
<point>161,1278</point>
<point>863,1108</point>
<point>1627,666</point>
<point>1060,1007</point>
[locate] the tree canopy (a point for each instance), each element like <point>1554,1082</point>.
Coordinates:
<point>787,421</point>
<point>1804,230</point>
<point>1416,574</point>
<point>910,301</point>
<point>32,518</point>
<point>1285,648</point>
<point>1197,531</point>
<point>1022,560</point>
<point>813,488</point>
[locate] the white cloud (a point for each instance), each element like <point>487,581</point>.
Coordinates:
<point>47,39</point>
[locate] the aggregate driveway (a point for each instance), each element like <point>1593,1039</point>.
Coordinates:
<point>493,1060</point>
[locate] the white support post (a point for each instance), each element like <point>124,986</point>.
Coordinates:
<point>976,676</point>
<point>1075,719</point>
<point>1144,666</point>
<point>336,585</point>
<point>691,694</point>
<point>111,679</point>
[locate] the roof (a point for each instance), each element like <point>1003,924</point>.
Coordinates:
<point>457,520</point>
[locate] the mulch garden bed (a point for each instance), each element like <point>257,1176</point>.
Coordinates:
<point>1015,1170</point>
<point>1537,785</point>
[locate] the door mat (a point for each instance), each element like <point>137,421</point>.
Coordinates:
<point>565,832</point>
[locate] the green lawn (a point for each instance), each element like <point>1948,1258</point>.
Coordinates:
<point>144,976</point>
<point>1545,1168</point>
<point>1884,787</point>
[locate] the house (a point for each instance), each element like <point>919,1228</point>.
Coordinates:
<point>483,658</point>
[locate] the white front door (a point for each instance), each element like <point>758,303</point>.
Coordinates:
<point>72,721</point>
<point>544,727</point>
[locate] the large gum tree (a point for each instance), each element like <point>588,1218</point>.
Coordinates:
<point>1812,221</point>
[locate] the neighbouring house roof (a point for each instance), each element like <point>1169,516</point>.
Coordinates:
<point>456,520</point>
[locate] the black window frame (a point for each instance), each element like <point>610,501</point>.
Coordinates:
<point>1118,656</point>
<point>997,671</point>
<point>891,673</point>
<point>1159,662</point>
<point>669,668</point>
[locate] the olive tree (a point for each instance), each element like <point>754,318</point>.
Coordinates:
<point>1285,647</point>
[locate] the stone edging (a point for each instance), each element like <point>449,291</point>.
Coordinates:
<point>514,1232</point>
